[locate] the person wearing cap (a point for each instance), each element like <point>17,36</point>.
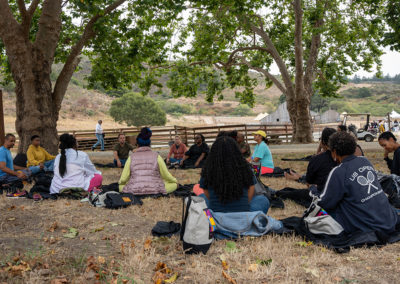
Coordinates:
<point>262,157</point>
<point>145,172</point>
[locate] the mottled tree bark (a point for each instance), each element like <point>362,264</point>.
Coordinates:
<point>38,105</point>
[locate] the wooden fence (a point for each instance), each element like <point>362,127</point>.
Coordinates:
<point>162,136</point>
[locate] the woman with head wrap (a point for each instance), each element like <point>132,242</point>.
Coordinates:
<point>145,171</point>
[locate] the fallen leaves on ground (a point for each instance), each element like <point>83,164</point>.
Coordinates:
<point>147,244</point>
<point>72,233</point>
<point>225,265</point>
<point>16,270</point>
<point>53,227</point>
<point>97,229</point>
<point>253,267</point>
<point>163,274</point>
<point>59,281</point>
<point>228,277</point>
<point>304,244</point>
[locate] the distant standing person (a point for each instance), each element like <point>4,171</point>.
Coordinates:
<point>243,145</point>
<point>121,151</point>
<point>99,136</point>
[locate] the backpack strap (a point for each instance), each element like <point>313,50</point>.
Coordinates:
<point>185,215</point>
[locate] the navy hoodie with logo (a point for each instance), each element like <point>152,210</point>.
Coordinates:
<point>354,198</point>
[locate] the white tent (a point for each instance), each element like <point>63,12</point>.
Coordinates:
<point>394,114</point>
<point>261,116</point>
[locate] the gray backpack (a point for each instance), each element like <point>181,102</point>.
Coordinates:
<point>196,232</point>
<point>320,223</point>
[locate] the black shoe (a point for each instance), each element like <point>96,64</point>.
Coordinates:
<point>92,149</point>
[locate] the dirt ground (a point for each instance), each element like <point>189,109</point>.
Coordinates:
<point>116,246</point>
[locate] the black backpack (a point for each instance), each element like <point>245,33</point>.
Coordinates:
<point>121,200</point>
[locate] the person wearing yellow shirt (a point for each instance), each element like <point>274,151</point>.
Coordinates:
<point>38,158</point>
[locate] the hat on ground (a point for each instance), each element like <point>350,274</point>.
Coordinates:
<point>260,132</point>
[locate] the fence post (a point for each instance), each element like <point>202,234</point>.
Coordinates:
<point>245,133</point>
<point>186,136</point>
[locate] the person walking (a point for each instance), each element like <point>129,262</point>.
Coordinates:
<point>99,136</point>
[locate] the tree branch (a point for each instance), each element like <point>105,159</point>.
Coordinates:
<point>49,29</point>
<point>240,49</point>
<point>314,51</point>
<point>8,24</point>
<point>275,55</point>
<point>22,9</point>
<point>32,8</point>
<point>73,60</point>
<point>298,46</point>
<point>264,72</point>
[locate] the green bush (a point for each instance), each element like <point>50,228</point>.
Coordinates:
<point>242,110</point>
<point>174,108</point>
<point>137,110</point>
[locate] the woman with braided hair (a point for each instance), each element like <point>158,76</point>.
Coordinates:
<point>228,180</point>
<point>73,168</point>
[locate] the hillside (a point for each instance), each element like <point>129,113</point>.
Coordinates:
<point>81,107</point>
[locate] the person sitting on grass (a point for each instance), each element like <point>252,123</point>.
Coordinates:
<point>73,168</point>
<point>389,142</point>
<point>352,194</point>
<point>195,157</point>
<point>320,165</point>
<point>243,145</point>
<point>227,181</point>
<point>8,173</point>
<point>38,158</point>
<point>121,151</point>
<point>145,172</point>
<point>262,157</point>
<point>176,151</point>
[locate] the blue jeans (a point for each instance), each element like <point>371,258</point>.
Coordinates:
<point>173,160</point>
<point>48,167</point>
<point>258,203</point>
<point>100,141</point>
<point>123,161</point>
<point>5,179</point>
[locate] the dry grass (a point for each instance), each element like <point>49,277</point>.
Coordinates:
<point>123,249</point>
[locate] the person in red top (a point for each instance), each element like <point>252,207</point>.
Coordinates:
<point>177,151</point>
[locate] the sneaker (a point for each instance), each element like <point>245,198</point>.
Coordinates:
<point>37,197</point>
<point>17,194</point>
<point>92,149</point>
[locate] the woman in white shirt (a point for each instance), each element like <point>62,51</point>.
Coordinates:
<point>73,168</point>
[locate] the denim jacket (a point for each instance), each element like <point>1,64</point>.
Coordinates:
<point>237,224</point>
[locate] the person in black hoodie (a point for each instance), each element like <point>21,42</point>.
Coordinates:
<point>389,142</point>
<point>319,166</point>
<point>352,194</point>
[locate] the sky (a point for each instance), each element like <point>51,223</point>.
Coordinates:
<point>390,65</point>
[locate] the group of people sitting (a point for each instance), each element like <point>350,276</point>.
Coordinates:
<point>344,182</point>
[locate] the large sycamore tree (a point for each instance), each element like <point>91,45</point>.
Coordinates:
<point>315,45</point>
<point>120,37</point>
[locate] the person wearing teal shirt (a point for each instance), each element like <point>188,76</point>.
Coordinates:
<point>262,155</point>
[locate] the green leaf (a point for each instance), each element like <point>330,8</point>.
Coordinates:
<point>265,262</point>
<point>72,233</point>
<point>231,247</point>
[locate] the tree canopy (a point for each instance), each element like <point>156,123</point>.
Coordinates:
<point>137,110</point>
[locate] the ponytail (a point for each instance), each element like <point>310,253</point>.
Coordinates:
<point>66,141</point>
<point>62,167</point>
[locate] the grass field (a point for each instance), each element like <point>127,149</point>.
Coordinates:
<point>116,246</point>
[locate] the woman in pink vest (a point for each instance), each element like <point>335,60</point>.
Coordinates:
<point>145,171</point>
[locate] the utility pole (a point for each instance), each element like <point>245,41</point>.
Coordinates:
<point>2,133</point>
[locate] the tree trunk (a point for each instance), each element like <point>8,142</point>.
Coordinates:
<point>36,112</point>
<point>303,132</point>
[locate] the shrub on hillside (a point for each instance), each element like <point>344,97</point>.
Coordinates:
<point>174,108</point>
<point>137,110</point>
